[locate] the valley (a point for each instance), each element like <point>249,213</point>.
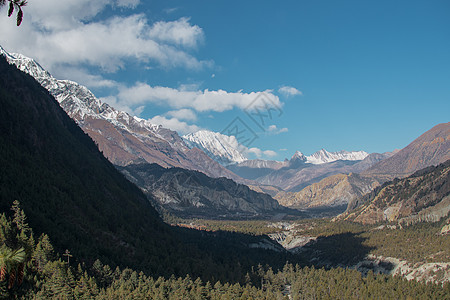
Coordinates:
<point>141,210</point>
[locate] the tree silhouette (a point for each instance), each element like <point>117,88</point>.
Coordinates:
<point>15,5</point>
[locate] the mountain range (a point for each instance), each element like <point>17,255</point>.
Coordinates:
<point>126,139</point>
<point>75,198</point>
<point>430,149</point>
<point>123,139</point>
<point>300,171</point>
<point>321,179</point>
<point>227,151</point>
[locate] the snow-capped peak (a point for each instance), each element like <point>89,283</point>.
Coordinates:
<point>25,64</point>
<point>298,156</point>
<point>222,148</point>
<point>323,156</point>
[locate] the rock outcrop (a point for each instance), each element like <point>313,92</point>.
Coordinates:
<point>187,193</point>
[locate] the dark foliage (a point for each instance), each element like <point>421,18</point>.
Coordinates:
<point>46,276</point>
<point>15,5</point>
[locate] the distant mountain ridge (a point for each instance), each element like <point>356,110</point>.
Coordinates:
<point>227,151</point>
<point>122,138</point>
<point>429,149</point>
<point>295,174</point>
<point>323,156</point>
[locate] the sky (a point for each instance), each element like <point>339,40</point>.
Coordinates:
<point>280,75</point>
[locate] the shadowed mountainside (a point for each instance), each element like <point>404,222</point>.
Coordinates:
<point>189,193</point>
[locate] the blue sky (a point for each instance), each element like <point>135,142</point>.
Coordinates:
<point>363,75</point>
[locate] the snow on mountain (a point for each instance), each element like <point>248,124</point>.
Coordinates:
<point>323,156</point>
<point>299,156</point>
<point>80,103</point>
<point>262,164</point>
<point>222,148</point>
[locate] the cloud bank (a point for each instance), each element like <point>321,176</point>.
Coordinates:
<point>68,33</point>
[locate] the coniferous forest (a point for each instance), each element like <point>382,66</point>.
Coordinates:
<point>31,268</point>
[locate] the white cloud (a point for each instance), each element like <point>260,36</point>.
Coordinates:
<point>58,32</point>
<point>83,77</point>
<point>198,100</point>
<point>171,10</point>
<point>273,129</point>
<point>174,124</point>
<point>289,91</point>
<point>261,153</point>
<point>128,3</point>
<point>178,32</point>
<point>183,114</point>
<point>138,111</point>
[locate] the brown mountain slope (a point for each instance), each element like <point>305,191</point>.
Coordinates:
<point>423,196</point>
<point>431,148</point>
<point>334,190</point>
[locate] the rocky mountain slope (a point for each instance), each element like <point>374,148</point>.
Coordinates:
<point>335,190</point>
<point>431,148</point>
<point>221,148</point>
<point>122,138</point>
<point>188,193</point>
<point>423,196</point>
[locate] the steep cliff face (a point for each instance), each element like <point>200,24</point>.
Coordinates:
<point>189,193</point>
<point>423,196</point>
<point>334,190</point>
<point>431,148</point>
